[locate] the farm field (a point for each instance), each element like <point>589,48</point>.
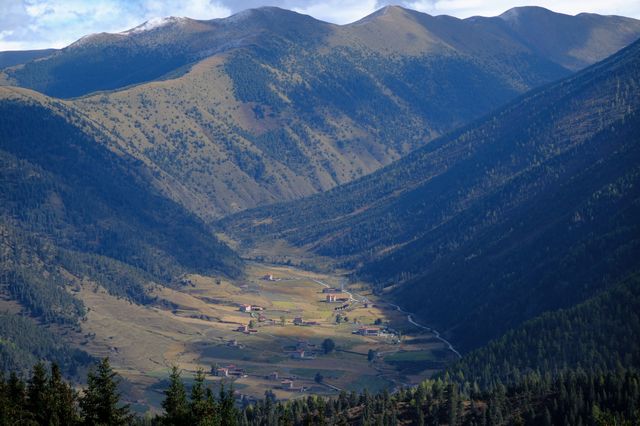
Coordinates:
<point>195,326</point>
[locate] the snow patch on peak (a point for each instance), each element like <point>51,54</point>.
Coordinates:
<point>154,23</point>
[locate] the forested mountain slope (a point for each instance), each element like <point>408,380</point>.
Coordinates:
<point>23,343</point>
<point>73,208</point>
<point>601,334</point>
<point>270,105</point>
<point>533,208</point>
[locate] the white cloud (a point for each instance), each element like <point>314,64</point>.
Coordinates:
<point>58,23</point>
<point>197,9</point>
<point>339,12</point>
<point>31,24</point>
<point>466,8</point>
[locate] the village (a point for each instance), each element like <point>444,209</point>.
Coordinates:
<point>340,309</point>
<point>278,329</point>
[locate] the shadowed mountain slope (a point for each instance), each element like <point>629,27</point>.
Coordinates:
<point>12,58</point>
<point>73,207</point>
<point>601,334</point>
<point>533,208</point>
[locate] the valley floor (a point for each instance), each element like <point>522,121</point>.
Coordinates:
<point>196,326</point>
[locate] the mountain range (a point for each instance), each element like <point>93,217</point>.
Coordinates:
<point>482,172</point>
<point>270,105</point>
<point>532,208</point>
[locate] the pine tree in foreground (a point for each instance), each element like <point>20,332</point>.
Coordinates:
<point>100,404</point>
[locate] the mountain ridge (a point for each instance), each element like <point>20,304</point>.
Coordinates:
<point>474,198</point>
<point>277,19</point>
<point>75,208</point>
<point>271,105</point>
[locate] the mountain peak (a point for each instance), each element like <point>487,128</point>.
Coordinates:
<point>390,12</point>
<point>516,13</point>
<point>155,23</point>
<point>392,8</point>
<point>147,26</point>
<point>271,16</point>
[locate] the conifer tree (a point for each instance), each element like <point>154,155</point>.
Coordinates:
<point>61,400</point>
<point>228,411</point>
<point>175,405</point>
<point>203,407</point>
<point>37,394</point>
<point>100,404</point>
<point>17,396</point>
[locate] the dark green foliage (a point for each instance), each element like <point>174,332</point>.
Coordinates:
<point>328,345</point>
<point>573,397</point>
<point>598,335</point>
<point>533,208</point>
<point>251,81</point>
<point>280,145</point>
<point>81,182</point>
<point>71,211</point>
<point>175,405</point>
<point>203,407</point>
<point>44,400</point>
<point>69,202</point>
<point>37,393</point>
<point>62,406</point>
<point>100,403</point>
<point>23,343</point>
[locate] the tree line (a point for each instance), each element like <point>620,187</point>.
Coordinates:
<point>573,397</point>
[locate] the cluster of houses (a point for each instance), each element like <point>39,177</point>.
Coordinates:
<point>230,370</point>
<point>336,298</point>
<point>286,383</point>
<point>300,321</point>
<point>290,386</point>
<point>334,295</point>
<point>303,350</point>
<point>368,331</point>
<point>250,308</point>
<point>246,329</point>
<point>261,316</point>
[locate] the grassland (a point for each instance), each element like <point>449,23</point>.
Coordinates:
<point>194,326</point>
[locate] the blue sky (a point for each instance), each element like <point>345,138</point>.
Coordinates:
<point>36,24</point>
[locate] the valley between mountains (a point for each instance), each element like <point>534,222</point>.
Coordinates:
<point>197,327</point>
<point>302,208</point>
